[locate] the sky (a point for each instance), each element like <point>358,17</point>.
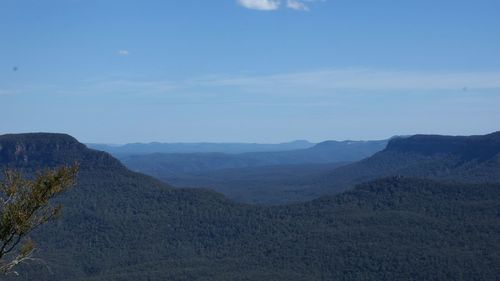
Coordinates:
<point>109,71</point>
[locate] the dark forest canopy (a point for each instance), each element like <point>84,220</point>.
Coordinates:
<point>121,225</point>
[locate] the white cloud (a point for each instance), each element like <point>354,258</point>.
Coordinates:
<point>271,5</point>
<point>123,52</point>
<point>264,5</point>
<point>297,5</point>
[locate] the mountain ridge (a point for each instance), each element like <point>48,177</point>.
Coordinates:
<point>39,150</point>
<point>163,165</point>
<point>122,226</point>
<point>469,147</point>
<point>448,158</point>
<point>201,147</point>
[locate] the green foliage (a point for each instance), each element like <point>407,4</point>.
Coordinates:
<point>123,226</point>
<point>278,184</point>
<point>391,229</point>
<point>24,205</point>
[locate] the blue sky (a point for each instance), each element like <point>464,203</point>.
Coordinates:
<point>249,70</point>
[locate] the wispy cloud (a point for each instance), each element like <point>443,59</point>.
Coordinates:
<point>120,88</point>
<point>272,5</point>
<point>284,87</point>
<point>264,5</point>
<point>296,5</point>
<point>123,52</point>
<point>362,80</point>
<point>11,92</point>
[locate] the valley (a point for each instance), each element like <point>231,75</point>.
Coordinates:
<point>122,225</point>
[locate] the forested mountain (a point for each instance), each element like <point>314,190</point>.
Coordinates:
<point>40,150</point>
<point>203,147</point>
<point>450,158</point>
<point>120,225</point>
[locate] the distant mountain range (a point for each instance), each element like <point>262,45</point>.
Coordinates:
<point>167,164</point>
<point>202,147</point>
<point>118,225</point>
<point>254,177</point>
<point>467,159</point>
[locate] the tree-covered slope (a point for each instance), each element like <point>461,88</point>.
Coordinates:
<point>119,225</point>
<point>40,150</point>
<point>269,185</point>
<point>462,159</point>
